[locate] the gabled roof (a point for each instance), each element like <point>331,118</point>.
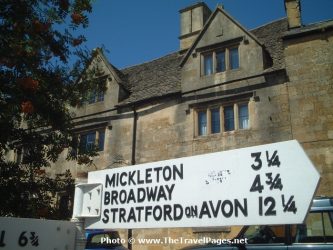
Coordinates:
<point>207,24</point>
<point>162,76</point>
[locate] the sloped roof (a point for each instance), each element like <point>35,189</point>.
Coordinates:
<point>162,76</point>
<point>156,78</point>
<point>271,36</point>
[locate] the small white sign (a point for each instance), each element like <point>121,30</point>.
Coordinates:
<point>28,234</point>
<point>267,184</point>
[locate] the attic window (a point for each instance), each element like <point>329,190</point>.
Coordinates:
<point>96,96</point>
<point>220,60</point>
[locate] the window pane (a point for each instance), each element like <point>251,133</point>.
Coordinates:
<point>328,226</point>
<point>208,64</point>
<point>312,231</point>
<point>265,234</point>
<point>234,59</point>
<point>229,118</point>
<point>202,123</point>
<point>243,113</point>
<point>220,61</point>
<point>91,137</point>
<point>101,139</point>
<point>91,97</point>
<point>100,96</point>
<point>215,115</point>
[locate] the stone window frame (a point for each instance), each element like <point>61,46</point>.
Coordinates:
<point>221,106</point>
<point>227,60</point>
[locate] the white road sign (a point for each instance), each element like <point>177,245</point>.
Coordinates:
<point>28,234</point>
<point>267,184</point>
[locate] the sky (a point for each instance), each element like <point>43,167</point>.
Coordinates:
<point>137,31</point>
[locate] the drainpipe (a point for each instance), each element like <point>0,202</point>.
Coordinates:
<point>135,118</point>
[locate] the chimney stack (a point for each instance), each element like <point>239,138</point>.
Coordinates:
<point>192,20</point>
<point>293,9</point>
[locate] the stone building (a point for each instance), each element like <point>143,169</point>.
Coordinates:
<point>227,87</point>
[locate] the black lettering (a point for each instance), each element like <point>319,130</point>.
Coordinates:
<point>157,213</point>
<point>106,198</point>
<point>167,173</point>
<point>257,160</point>
<point>271,209</point>
<point>167,212</point>
<point>141,195</point>
<point>131,178</point>
<point>148,175</point>
<point>194,211</point>
<point>131,196</point>
<point>204,210</point>
<point>161,194</point>
<point>122,196</point>
<point>110,182</point>
<point>131,215</point>
<point>256,185</point>
<point>170,190</point>
<point>148,212</point>
<point>139,209</point>
<point>178,172</point>
<point>216,209</point>
<point>226,213</point>
<point>157,170</point>
<point>139,180</point>
<point>114,214</point>
<point>151,193</point>
<point>114,197</point>
<point>239,206</point>
<point>122,213</point>
<point>177,216</point>
<point>106,216</point>
<point>122,181</point>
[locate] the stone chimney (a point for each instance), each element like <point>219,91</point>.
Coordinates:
<point>293,9</point>
<point>192,20</point>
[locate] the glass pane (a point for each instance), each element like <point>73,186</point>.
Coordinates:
<point>265,234</point>
<point>229,118</point>
<point>243,113</point>
<point>101,139</point>
<point>312,231</point>
<point>91,137</point>
<point>328,226</point>
<point>91,97</point>
<point>220,61</point>
<point>215,115</point>
<point>100,96</point>
<point>208,64</point>
<point>83,142</point>
<point>234,59</point>
<point>202,123</point>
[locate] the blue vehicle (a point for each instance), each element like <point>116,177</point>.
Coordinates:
<point>316,233</point>
<point>104,239</point>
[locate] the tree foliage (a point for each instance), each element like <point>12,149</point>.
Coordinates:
<point>39,86</point>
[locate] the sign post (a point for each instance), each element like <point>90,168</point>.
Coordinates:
<point>35,234</point>
<point>248,186</point>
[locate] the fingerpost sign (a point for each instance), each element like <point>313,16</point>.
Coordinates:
<point>248,186</point>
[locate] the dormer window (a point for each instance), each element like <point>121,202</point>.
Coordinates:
<point>220,60</point>
<point>96,96</point>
